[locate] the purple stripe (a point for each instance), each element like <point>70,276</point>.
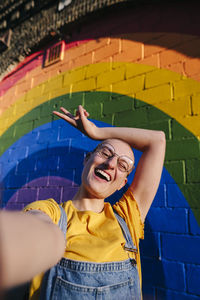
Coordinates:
<point>61,189</point>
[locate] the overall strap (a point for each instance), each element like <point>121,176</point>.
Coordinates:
<point>46,287</point>
<point>129,246</point>
<point>63,220</point>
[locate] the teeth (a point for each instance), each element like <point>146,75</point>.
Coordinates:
<point>104,174</point>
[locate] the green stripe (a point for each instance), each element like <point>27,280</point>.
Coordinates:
<point>183,148</point>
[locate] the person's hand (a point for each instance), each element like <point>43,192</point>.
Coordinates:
<point>80,121</point>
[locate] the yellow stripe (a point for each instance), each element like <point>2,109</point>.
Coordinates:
<point>166,90</point>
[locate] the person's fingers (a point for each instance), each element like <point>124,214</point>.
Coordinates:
<point>67,117</point>
<point>86,113</point>
<point>65,111</point>
<point>82,112</point>
<point>56,113</point>
<point>83,116</point>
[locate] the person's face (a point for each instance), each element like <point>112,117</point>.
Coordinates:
<point>103,172</point>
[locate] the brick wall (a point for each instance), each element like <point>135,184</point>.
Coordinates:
<point>128,77</point>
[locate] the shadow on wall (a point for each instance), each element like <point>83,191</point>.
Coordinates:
<point>180,18</point>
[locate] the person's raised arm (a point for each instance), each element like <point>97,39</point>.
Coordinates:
<point>150,142</point>
<point>29,245</point>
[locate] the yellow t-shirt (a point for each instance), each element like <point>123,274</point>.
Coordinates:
<point>100,232</point>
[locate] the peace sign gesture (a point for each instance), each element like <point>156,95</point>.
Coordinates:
<point>80,121</point>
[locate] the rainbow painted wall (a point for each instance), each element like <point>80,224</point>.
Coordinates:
<point>125,73</point>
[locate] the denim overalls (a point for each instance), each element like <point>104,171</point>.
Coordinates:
<point>80,280</point>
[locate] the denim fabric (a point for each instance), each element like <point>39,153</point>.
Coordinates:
<point>75,280</point>
<point>129,242</point>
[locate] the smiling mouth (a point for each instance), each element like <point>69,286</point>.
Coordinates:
<point>103,175</point>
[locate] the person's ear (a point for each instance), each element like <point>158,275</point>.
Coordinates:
<point>87,157</point>
<point>123,184</point>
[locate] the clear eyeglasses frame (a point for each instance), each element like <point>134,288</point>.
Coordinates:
<point>107,151</point>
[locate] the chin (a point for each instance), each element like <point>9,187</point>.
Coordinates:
<point>95,189</point>
<point>102,195</point>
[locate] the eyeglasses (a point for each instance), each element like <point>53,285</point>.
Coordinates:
<point>107,151</point>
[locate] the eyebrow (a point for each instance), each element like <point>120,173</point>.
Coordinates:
<point>107,145</point>
<point>104,144</point>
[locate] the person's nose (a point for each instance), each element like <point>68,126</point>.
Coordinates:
<point>112,162</point>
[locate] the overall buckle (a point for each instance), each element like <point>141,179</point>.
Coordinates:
<point>130,249</point>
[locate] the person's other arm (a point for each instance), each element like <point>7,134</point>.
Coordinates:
<point>149,169</point>
<point>29,244</point>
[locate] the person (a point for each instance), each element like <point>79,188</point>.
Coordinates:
<point>101,258</point>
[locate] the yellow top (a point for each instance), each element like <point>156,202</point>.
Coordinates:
<point>88,230</point>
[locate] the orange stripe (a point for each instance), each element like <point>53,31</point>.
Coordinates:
<point>123,48</point>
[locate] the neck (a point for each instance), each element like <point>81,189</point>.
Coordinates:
<point>84,202</point>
